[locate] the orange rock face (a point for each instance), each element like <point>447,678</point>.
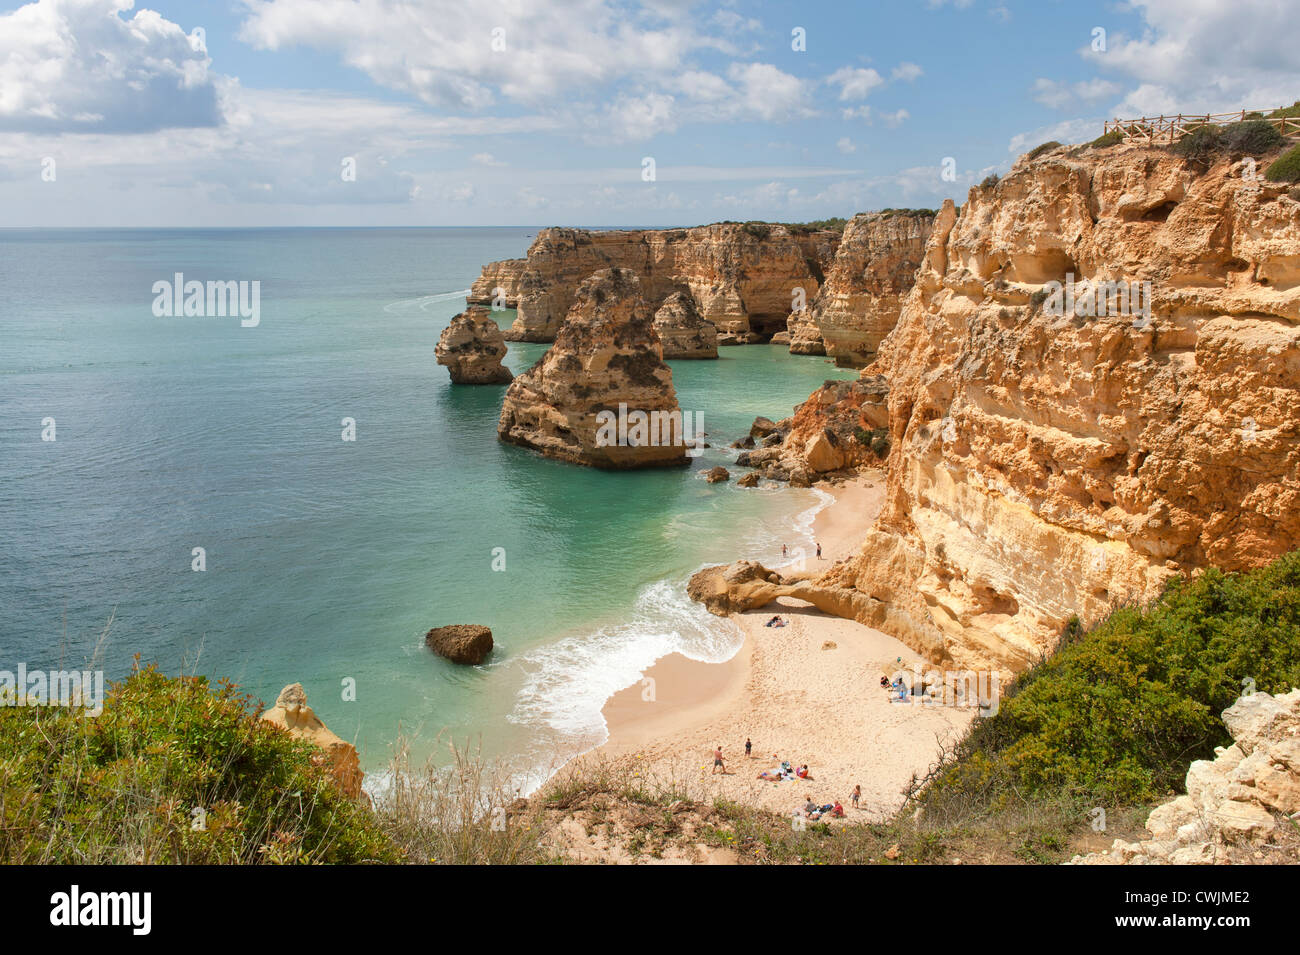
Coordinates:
<point>742,278</point>
<point>872,273</point>
<point>601,395</point>
<point>1046,463</point>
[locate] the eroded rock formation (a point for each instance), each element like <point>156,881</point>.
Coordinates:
<point>472,348</point>
<point>681,330</point>
<point>742,277</point>
<point>498,284</point>
<point>601,395</point>
<point>1045,464</point>
<point>292,713</point>
<point>859,304</point>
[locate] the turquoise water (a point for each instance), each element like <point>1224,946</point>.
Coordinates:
<point>327,560</point>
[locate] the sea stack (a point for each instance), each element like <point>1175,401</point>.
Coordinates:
<point>682,331</point>
<point>602,395</point>
<point>472,347</point>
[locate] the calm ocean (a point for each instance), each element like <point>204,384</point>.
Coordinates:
<point>327,560</point>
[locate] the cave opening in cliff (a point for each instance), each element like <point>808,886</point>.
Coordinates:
<point>765,326</point>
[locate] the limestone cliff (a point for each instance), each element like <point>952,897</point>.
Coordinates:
<point>601,395</point>
<point>498,284</point>
<point>1046,463</point>
<point>472,347</point>
<point>873,270</point>
<point>742,277</point>
<point>682,331</point>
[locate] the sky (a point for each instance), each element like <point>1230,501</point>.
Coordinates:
<point>211,113</point>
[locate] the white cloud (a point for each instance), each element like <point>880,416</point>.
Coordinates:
<point>486,159</point>
<point>854,82</point>
<point>907,72</point>
<point>1071,95</point>
<point>768,93</point>
<point>453,54</point>
<point>1206,56</point>
<point>79,65</point>
<point>845,145</point>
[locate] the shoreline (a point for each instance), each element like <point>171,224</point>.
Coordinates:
<point>807,693</point>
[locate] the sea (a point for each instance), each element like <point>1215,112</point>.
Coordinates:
<point>298,494</point>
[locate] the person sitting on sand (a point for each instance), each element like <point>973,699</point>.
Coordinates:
<point>810,808</point>
<point>884,682</point>
<point>837,811</point>
<point>802,772</point>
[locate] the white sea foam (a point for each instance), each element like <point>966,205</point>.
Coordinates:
<point>568,683</point>
<point>424,301</point>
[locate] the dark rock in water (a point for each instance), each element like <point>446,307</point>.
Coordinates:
<point>715,474</point>
<point>761,427</point>
<point>772,440</point>
<point>748,480</point>
<point>743,459</point>
<point>461,643</point>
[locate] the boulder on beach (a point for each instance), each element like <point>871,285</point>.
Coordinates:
<point>748,480</point>
<point>468,643</point>
<point>716,474</point>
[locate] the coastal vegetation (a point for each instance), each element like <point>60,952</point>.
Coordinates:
<point>177,770</point>
<point>173,770</point>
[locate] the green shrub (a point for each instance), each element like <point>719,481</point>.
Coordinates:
<point>1206,143</point>
<point>123,787</point>
<point>990,181</point>
<point>1286,168</point>
<point>1106,140</point>
<point>1286,112</point>
<point>1045,147</point>
<point>1118,713</point>
<point>1253,138</point>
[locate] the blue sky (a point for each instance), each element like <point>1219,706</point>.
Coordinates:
<point>111,114</point>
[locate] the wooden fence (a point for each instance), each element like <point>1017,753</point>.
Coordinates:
<point>1164,130</point>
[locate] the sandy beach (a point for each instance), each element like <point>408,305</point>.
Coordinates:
<point>807,693</point>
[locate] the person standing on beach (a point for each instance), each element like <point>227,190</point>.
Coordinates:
<point>748,746</point>
<point>717,762</point>
<point>819,550</point>
<point>857,794</point>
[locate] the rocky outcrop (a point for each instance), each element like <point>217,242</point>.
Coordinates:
<point>601,395</point>
<point>742,277</point>
<point>498,284</point>
<point>1044,464</point>
<point>1243,801</point>
<point>859,304</point>
<point>717,475</point>
<point>852,417</point>
<point>748,585</point>
<point>681,330</point>
<point>804,333</point>
<point>467,643</point>
<point>472,348</point>
<point>292,714</point>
